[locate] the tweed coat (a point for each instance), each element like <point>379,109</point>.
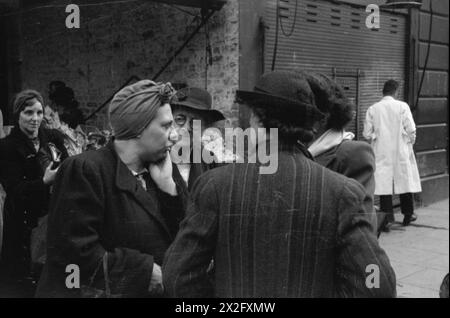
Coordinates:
<point>300,232</point>
<point>21,173</point>
<point>355,160</point>
<point>98,205</point>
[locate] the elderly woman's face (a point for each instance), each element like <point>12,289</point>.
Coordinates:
<point>183,120</point>
<point>30,118</point>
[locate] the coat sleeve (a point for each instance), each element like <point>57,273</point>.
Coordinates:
<point>76,222</point>
<point>363,268</point>
<point>356,160</point>
<point>58,138</point>
<point>368,131</point>
<point>44,155</point>
<point>408,124</point>
<point>187,260</point>
<point>12,177</point>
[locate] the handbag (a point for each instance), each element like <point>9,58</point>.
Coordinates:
<point>87,291</point>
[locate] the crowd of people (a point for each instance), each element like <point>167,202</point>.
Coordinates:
<point>137,224</point>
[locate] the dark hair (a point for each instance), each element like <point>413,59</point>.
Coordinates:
<point>443,290</point>
<point>390,87</point>
<point>71,116</point>
<point>291,127</point>
<point>24,99</point>
<point>64,102</point>
<point>330,99</point>
<point>56,84</point>
<point>63,96</point>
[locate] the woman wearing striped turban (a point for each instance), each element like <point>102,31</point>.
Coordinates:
<point>115,211</point>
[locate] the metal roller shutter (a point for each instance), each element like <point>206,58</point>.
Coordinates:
<point>333,38</point>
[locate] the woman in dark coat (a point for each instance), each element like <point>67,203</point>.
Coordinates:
<point>27,175</point>
<point>115,211</point>
<point>333,147</point>
<point>299,230</point>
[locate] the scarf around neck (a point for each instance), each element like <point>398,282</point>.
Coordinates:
<point>330,139</point>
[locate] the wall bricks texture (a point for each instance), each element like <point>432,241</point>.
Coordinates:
<point>118,40</point>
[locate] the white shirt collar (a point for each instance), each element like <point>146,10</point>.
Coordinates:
<point>138,173</point>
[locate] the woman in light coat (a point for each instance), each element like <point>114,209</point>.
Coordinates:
<point>390,128</point>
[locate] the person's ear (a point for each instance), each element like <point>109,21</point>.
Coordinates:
<point>254,120</point>
<point>324,121</point>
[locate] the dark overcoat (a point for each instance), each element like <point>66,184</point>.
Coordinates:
<point>356,160</point>
<point>300,232</point>
<point>21,172</point>
<point>98,205</point>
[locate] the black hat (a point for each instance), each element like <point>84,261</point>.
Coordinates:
<point>285,89</point>
<point>330,98</point>
<point>198,99</point>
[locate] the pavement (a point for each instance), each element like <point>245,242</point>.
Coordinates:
<point>419,253</point>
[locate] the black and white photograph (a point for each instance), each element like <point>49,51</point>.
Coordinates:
<point>224,155</point>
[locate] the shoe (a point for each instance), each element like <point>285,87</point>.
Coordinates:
<point>409,218</point>
<point>387,227</point>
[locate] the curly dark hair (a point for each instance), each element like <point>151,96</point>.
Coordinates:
<point>291,128</point>
<point>330,99</point>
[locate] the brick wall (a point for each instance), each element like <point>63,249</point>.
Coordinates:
<point>118,40</point>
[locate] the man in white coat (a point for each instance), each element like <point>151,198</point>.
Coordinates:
<point>390,128</point>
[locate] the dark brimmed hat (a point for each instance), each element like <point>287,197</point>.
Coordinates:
<point>198,99</point>
<point>284,89</point>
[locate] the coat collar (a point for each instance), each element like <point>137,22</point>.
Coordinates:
<point>388,98</point>
<point>292,148</point>
<point>127,182</point>
<point>24,144</point>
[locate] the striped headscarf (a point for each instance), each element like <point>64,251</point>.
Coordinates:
<point>135,106</point>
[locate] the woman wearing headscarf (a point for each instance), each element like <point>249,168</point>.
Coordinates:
<point>116,210</point>
<point>27,174</point>
<point>333,146</point>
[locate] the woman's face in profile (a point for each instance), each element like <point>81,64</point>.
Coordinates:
<point>30,118</point>
<point>51,118</point>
